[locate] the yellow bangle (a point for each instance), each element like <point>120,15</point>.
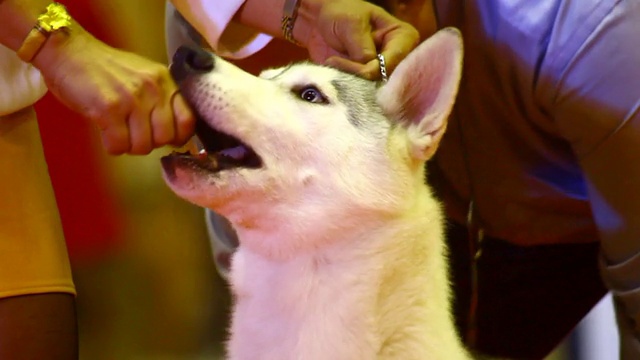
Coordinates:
<point>53,19</point>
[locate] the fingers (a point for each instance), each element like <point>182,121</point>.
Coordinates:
<point>115,139</point>
<point>397,43</point>
<point>356,39</point>
<point>139,121</point>
<point>372,71</point>
<point>158,116</point>
<point>141,136</point>
<point>110,114</point>
<point>357,36</point>
<point>184,120</point>
<point>367,70</point>
<point>170,122</point>
<point>130,98</point>
<point>341,28</point>
<point>162,129</point>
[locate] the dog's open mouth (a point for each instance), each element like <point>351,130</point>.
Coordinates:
<point>217,151</point>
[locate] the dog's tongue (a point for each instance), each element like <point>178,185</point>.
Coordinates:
<point>238,153</point>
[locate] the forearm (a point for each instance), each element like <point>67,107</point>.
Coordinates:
<point>345,34</point>
<point>262,15</point>
<point>266,16</point>
<point>212,20</point>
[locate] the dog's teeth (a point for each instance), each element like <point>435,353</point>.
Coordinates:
<point>237,153</point>
<point>196,140</point>
<point>202,155</point>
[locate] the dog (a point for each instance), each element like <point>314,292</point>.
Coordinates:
<point>321,173</point>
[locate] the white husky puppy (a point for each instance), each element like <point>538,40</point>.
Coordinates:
<point>341,253</point>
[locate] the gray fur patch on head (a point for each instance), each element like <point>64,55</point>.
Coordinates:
<point>359,96</point>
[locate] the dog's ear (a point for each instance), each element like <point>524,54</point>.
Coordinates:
<point>420,93</point>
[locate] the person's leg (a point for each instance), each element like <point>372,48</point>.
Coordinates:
<point>40,326</point>
<point>529,298</point>
<point>37,313</point>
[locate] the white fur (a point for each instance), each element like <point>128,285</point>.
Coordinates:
<point>341,251</point>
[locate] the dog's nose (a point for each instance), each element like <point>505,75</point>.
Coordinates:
<point>190,60</point>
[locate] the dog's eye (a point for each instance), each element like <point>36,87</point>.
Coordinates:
<point>312,95</point>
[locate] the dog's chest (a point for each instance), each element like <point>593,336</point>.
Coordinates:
<point>316,311</point>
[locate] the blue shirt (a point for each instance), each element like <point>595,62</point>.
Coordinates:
<point>545,134</point>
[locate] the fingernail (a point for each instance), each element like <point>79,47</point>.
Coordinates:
<point>371,70</point>
<point>368,55</point>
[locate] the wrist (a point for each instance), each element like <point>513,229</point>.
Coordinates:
<point>54,18</point>
<point>60,48</point>
<point>307,14</point>
<point>51,32</point>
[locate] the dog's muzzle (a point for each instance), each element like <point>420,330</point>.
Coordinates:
<point>190,60</point>
<point>219,151</point>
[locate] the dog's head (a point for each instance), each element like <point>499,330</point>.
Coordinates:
<point>307,144</point>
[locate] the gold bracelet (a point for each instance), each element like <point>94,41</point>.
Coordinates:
<point>53,19</point>
<point>289,15</point>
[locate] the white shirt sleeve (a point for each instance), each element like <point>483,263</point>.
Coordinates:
<point>21,84</point>
<point>213,20</point>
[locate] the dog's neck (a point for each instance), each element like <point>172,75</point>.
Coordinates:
<point>371,289</point>
<point>282,230</point>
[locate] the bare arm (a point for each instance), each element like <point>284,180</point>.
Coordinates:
<point>344,33</point>
<point>40,326</point>
<point>132,100</point>
<point>35,326</point>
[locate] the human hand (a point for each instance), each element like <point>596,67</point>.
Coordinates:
<point>348,34</point>
<point>132,100</point>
